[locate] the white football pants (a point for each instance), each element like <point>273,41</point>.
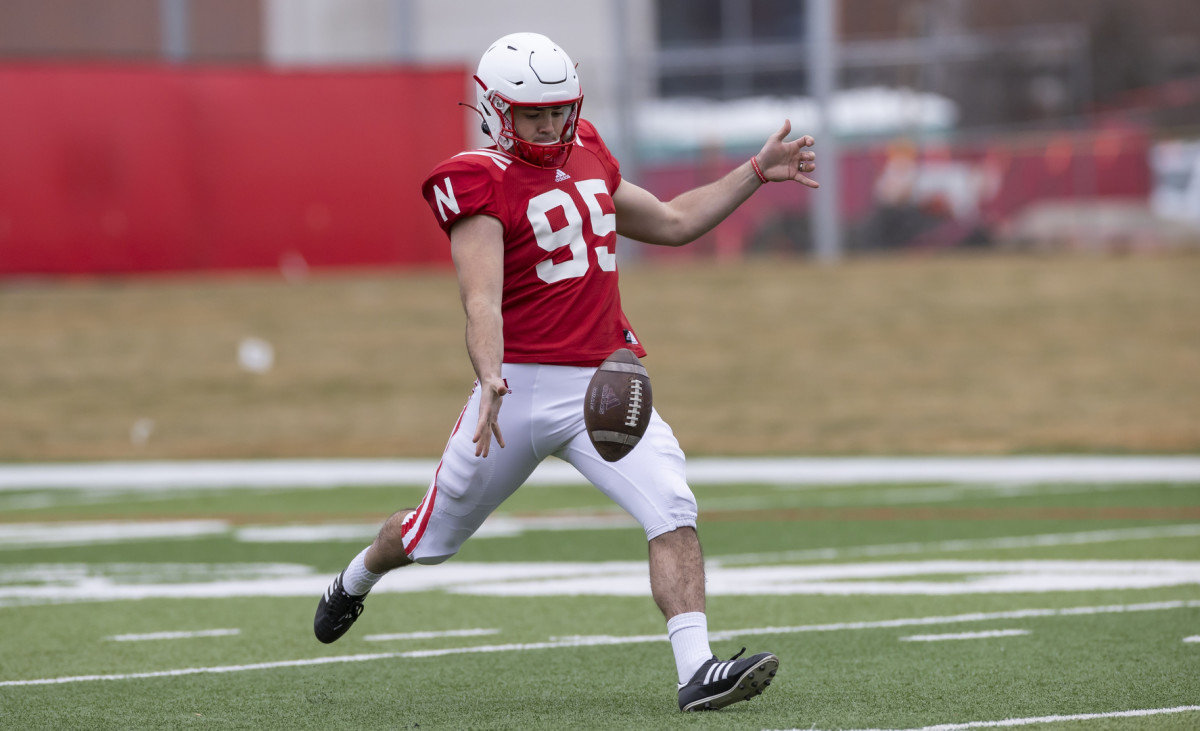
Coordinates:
<point>542,416</point>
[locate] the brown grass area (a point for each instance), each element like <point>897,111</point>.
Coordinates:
<point>947,355</point>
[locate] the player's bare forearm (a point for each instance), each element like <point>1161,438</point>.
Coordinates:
<point>643,217</point>
<point>685,218</point>
<point>477,247</point>
<point>485,347</point>
<point>486,352</point>
<point>485,343</point>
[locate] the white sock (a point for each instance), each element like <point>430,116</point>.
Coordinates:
<point>358,580</point>
<point>689,640</point>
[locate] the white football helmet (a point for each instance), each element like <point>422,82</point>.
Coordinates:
<point>528,70</point>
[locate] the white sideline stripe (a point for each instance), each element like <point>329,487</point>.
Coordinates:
<point>174,635</point>
<point>599,640</point>
<point>967,635</point>
<point>431,635</point>
<point>1043,540</point>
<point>1193,638</point>
<point>23,535</point>
<point>1042,719</point>
<point>24,585</point>
<point>960,618</point>
<point>700,471</point>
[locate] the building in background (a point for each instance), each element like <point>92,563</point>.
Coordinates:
<point>961,120</point>
<point>1001,62</point>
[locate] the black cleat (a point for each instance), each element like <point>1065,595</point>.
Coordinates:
<point>336,611</point>
<point>719,683</point>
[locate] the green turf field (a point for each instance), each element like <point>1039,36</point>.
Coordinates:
<point>890,606</point>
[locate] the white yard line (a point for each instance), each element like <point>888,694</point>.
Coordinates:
<point>1043,540</point>
<point>87,533</point>
<point>961,618</point>
<point>967,635</point>
<point>602,640</point>
<point>51,584</point>
<point>1043,719</point>
<point>175,635</point>
<point>701,471</point>
<point>431,635</point>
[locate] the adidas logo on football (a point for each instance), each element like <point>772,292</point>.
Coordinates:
<point>609,398</point>
<point>560,176</point>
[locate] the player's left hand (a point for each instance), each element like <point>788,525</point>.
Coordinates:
<point>490,400</point>
<point>788,160</point>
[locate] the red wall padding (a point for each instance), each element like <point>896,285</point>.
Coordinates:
<point>140,169</point>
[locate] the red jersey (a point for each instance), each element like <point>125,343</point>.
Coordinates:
<point>560,301</point>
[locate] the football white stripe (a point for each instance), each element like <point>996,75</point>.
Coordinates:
<point>625,368</point>
<point>603,435</point>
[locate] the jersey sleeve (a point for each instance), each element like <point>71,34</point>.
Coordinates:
<point>457,189</point>
<point>589,138</point>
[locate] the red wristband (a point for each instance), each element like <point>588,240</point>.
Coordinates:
<point>758,170</point>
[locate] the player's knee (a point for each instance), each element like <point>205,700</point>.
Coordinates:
<point>684,508</point>
<point>432,560</point>
<point>675,510</point>
<point>392,530</point>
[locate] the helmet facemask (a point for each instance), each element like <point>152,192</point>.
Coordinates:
<point>538,154</point>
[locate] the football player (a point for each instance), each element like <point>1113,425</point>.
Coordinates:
<point>532,222</point>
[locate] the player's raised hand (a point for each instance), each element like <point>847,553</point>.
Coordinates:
<point>781,159</point>
<point>489,415</point>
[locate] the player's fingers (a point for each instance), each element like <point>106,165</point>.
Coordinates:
<point>784,131</point>
<point>482,428</point>
<point>499,436</point>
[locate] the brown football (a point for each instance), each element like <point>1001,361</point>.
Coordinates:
<point>616,408</point>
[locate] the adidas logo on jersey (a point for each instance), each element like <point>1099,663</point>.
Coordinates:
<point>560,176</point>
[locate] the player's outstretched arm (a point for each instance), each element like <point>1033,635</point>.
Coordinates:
<point>477,247</point>
<point>643,217</point>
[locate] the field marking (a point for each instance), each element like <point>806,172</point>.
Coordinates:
<point>432,635</point>
<point>1042,719</point>
<point>175,635</point>
<point>16,536</point>
<point>700,471</point>
<point>901,494</point>
<point>967,635</point>
<point>603,640</point>
<point>496,526</point>
<point>961,618</point>
<point>886,578</point>
<point>86,533</point>
<point>1044,540</point>
<point>942,577</point>
<point>1193,638</point>
<point>24,535</point>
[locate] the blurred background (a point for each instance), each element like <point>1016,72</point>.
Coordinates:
<point>142,135</point>
<point>1012,190</point>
